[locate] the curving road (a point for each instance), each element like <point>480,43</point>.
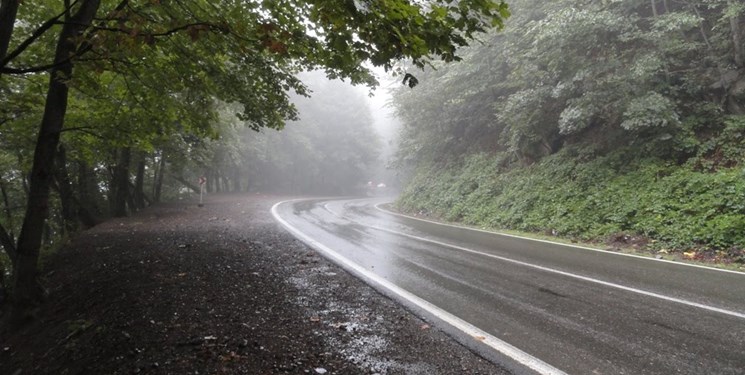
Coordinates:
<point>536,306</point>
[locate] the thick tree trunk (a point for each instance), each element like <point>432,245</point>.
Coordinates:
<point>27,291</point>
<point>8,12</point>
<point>120,183</point>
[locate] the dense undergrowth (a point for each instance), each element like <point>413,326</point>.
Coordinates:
<point>614,121</point>
<point>673,207</point>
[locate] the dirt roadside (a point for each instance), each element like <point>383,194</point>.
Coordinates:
<point>221,289</point>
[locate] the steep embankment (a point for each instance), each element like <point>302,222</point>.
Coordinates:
<point>652,204</point>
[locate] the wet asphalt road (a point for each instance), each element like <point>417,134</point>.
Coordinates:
<point>579,311</point>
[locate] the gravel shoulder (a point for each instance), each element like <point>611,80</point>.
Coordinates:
<point>219,289</point>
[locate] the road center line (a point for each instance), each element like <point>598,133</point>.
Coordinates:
<point>552,270</point>
<point>478,334</point>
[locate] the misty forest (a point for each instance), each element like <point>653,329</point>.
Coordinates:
<point>605,120</point>
<point>136,99</point>
<point>613,122</point>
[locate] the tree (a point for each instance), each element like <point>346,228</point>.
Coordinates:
<point>544,125</point>
<point>605,73</point>
<point>233,51</point>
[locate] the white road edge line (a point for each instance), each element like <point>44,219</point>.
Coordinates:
<point>569,274</point>
<point>563,273</point>
<point>503,347</point>
<point>377,206</point>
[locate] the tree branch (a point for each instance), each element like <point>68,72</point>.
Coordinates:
<point>211,26</point>
<point>83,129</point>
<point>88,47</point>
<point>36,35</point>
<point>43,68</point>
<point>40,31</point>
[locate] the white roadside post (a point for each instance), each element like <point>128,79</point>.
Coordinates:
<point>202,181</point>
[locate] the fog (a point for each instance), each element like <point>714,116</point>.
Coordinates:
<point>340,145</point>
<point>387,126</point>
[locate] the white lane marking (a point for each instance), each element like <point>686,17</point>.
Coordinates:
<point>377,206</point>
<point>478,334</point>
<point>552,270</point>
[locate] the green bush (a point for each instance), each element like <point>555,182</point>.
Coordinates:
<point>679,207</point>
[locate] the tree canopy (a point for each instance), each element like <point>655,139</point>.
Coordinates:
<point>96,89</point>
<point>607,72</point>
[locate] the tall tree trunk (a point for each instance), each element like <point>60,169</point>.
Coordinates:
<point>67,197</point>
<point>8,13</point>
<point>139,193</point>
<point>120,183</point>
<point>27,291</point>
<point>654,8</point>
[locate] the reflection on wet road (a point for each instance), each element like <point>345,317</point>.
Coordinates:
<point>580,311</point>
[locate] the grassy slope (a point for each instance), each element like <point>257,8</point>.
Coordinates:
<point>673,208</point>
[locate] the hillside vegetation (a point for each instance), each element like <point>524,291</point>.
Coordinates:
<point>593,120</point>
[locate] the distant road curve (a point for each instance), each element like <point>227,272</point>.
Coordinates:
<point>537,306</point>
